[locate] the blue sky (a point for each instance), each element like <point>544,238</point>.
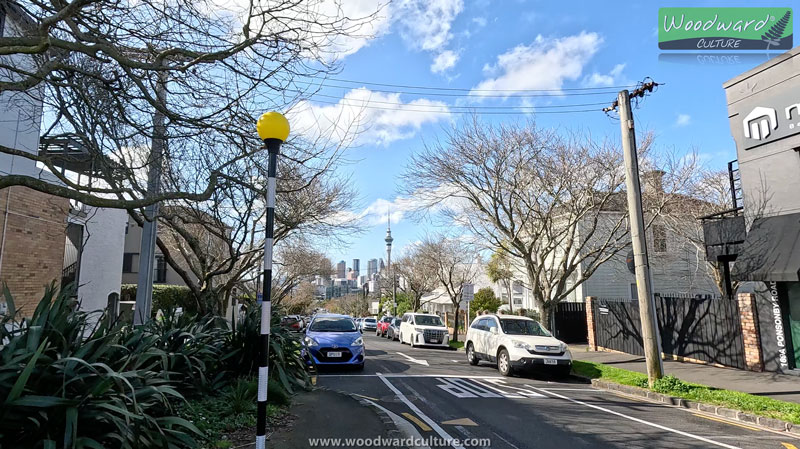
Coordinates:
<point>511,44</point>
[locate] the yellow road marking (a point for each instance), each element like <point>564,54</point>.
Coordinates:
<point>789,446</point>
<point>744,426</point>
<point>424,427</point>
<point>460,422</point>
<point>367,397</point>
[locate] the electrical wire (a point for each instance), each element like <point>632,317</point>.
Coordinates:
<point>461,89</point>
<point>550,93</point>
<point>440,111</point>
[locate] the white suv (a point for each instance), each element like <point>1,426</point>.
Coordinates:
<point>515,342</point>
<point>422,329</point>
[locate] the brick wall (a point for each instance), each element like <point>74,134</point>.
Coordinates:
<point>753,360</point>
<point>32,253</point>
<point>590,323</point>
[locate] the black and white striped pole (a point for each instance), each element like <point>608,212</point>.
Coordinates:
<point>273,129</point>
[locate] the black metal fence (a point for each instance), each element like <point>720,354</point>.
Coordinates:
<point>704,329</point>
<point>570,322</point>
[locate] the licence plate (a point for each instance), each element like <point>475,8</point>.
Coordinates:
<point>334,354</point>
<point>546,361</point>
<point>433,340</point>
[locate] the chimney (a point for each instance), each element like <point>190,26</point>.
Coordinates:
<point>653,181</point>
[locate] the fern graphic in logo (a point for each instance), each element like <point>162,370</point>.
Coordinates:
<point>773,35</point>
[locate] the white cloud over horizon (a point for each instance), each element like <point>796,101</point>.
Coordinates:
<point>363,116</point>
<point>683,120</point>
<point>544,64</point>
<point>612,78</point>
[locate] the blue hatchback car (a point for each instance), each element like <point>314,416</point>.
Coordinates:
<point>334,340</point>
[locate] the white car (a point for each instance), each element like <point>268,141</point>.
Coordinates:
<point>422,329</point>
<point>515,343</point>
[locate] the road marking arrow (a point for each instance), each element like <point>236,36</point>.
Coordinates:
<point>460,422</point>
<point>413,360</point>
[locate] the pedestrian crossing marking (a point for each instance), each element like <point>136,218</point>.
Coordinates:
<point>484,388</point>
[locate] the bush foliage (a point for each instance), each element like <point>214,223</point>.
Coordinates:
<point>165,297</point>
<point>70,379</point>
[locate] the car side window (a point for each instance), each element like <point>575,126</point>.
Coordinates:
<point>482,324</point>
<point>476,324</point>
<point>491,323</point>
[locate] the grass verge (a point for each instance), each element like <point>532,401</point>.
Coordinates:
<point>671,385</point>
<point>456,344</point>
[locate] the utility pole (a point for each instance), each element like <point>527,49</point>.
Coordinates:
<point>144,284</point>
<point>389,268</point>
<point>644,283</point>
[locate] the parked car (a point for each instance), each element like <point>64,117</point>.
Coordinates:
<point>293,322</point>
<point>383,326</point>
<point>333,339</point>
<point>515,343</point>
<point>422,329</point>
<point>369,324</point>
<point>394,329</point>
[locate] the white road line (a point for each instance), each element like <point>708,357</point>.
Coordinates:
<point>571,389</point>
<point>413,360</point>
<point>507,442</point>
<point>419,413</point>
<point>648,423</point>
<point>455,361</point>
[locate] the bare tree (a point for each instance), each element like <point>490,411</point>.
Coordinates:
<point>417,275</point>
<point>454,263</point>
<point>554,201</point>
<point>105,69</point>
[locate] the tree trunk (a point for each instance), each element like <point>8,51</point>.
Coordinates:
<point>455,323</point>
<point>510,292</point>
<point>546,311</point>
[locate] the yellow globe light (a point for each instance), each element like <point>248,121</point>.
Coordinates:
<point>273,125</point>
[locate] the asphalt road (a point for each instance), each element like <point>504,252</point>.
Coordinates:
<point>437,394</point>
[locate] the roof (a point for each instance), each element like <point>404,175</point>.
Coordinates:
<point>761,67</point>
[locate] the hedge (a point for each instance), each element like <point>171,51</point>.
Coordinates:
<point>165,297</point>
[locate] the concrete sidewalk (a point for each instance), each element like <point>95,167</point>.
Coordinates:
<point>777,386</point>
<point>322,414</point>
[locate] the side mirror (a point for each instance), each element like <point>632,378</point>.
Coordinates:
<point>493,330</point>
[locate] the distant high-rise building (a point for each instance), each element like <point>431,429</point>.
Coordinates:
<point>341,269</point>
<point>381,265</point>
<point>357,266</point>
<point>372,267</point>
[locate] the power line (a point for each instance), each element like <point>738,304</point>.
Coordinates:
<point>551,93</point>
<point>441,111</point>
<point>454,106</point>
<point>461,89</point>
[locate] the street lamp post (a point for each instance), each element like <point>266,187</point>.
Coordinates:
<point>273,129</point>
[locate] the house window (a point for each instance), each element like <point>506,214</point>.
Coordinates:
<point>634,292</point>
<point>161,270</point>
<point>130,263</point>
<point>659,239</point>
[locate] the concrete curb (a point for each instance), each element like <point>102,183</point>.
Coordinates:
<point>723,412</point>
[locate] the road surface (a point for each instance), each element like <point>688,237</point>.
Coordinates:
<point>439,395</point>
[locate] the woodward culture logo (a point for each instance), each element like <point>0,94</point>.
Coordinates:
<point>725,29</point>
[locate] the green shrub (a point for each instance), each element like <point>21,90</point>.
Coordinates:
<point>670,385</point>
<point>165,297</point>
<point>66,382</point>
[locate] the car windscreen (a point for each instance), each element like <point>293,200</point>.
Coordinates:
<point>333,325</point>
<point>523,327</point>
<point>423,320</point>
<point>370,320</point>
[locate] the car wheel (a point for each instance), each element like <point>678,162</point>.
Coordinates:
<point>471,355</point>
<point>504,363</point>
<point>377,333</point>
<point>401,339</point>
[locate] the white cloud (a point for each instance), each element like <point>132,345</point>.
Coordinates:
<point>480,21</point>
<point>683,120</point>
<point>426,24</point>
<point>444,61</point>
<point>363,116</point>
<point>545,64</point>
<point>605,80</point>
